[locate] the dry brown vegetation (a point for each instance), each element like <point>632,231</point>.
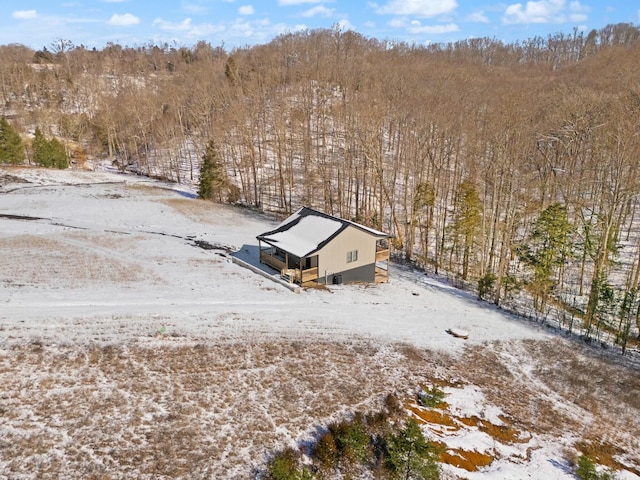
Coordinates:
<point>175,410</point>
<point>202,212</point>
<point>73,263</point>
<point>560,388</point>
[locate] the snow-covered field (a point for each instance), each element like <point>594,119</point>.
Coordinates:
<point>132,346</point>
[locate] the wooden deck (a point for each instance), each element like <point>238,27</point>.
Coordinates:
<point>294,275</point>
<point>382,275</point>
<point>272,261</point>
<point>310,275</point>
<point>382,255</point>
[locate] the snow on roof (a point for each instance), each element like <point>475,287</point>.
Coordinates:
<point>305,236</point>
<point>306,230</point>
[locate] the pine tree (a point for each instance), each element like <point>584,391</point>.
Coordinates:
<point>467,221</point>
<point>41,150</point>
<point>546,250</point>
<point>11,147</point>
<point>49,153</point>
<point>411,456</point>
<point>59,156</point>
<point>211,181</point>
<point>352,440</point>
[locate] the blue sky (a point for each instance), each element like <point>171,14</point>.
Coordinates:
<point>239,23</point>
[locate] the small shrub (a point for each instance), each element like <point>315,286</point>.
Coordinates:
<point>325,452</point>
<point>352,440</point>
<point>587,470</point>
<point>431,398</point>
<point>393,405</point>
<point>486,284</point>
<point>286,465</point>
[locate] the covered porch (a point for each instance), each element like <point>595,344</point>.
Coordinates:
<point>303,271</point>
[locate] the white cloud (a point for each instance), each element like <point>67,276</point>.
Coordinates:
<point>186,31</point>
<point>433,29</point>
<point>24,14</point>
<point>345,25</point>
<point>398,23</point>
<point>578,12</point>
<point>319,11</point>
<point>183,26</point>
<point>124,20</point>
<point>545,11</point>
<point>194,9</point>
<point>418,8</point>
<point>246,10</point>
<point>478,17</point>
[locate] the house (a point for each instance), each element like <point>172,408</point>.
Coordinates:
<point>312,247</point>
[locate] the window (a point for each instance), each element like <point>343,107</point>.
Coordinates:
<point>352,256</point>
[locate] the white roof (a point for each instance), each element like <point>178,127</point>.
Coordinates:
<point>307,230</point>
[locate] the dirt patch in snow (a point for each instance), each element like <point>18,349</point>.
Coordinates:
<point>469,460</point>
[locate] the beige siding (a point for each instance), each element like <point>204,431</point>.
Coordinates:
<point>332,258</point>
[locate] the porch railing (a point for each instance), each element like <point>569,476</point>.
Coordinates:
<point>382,254</point>
<point>272,261</point>
<point>308,275</point>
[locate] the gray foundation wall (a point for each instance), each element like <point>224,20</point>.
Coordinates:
<point>366,273</point>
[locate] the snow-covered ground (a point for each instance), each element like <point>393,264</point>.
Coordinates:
<point>108,246</point>
<point>94,260</point>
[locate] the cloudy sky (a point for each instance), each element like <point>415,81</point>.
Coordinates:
<point>238,23</point>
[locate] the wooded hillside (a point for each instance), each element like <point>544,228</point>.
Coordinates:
<point>509,167</point>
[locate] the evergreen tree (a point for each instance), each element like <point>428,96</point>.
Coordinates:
<point>605,304</point>
<point>587,470</point>
<point>11,147</point>
<point>58,154</point>
<point>486,284</point>
<point>212,178</point>
<point>351,440</point>
<point>411,456</point>
<point>49,153</point>
<point>287,465</point>
<point>421,216</point>
<point>629,308</point>
<point>41,150</point>
<point>325,453</point>
<point>546,250</point>
<point>467,221</point>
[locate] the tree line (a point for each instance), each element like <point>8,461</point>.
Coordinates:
<point>511,168</point>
